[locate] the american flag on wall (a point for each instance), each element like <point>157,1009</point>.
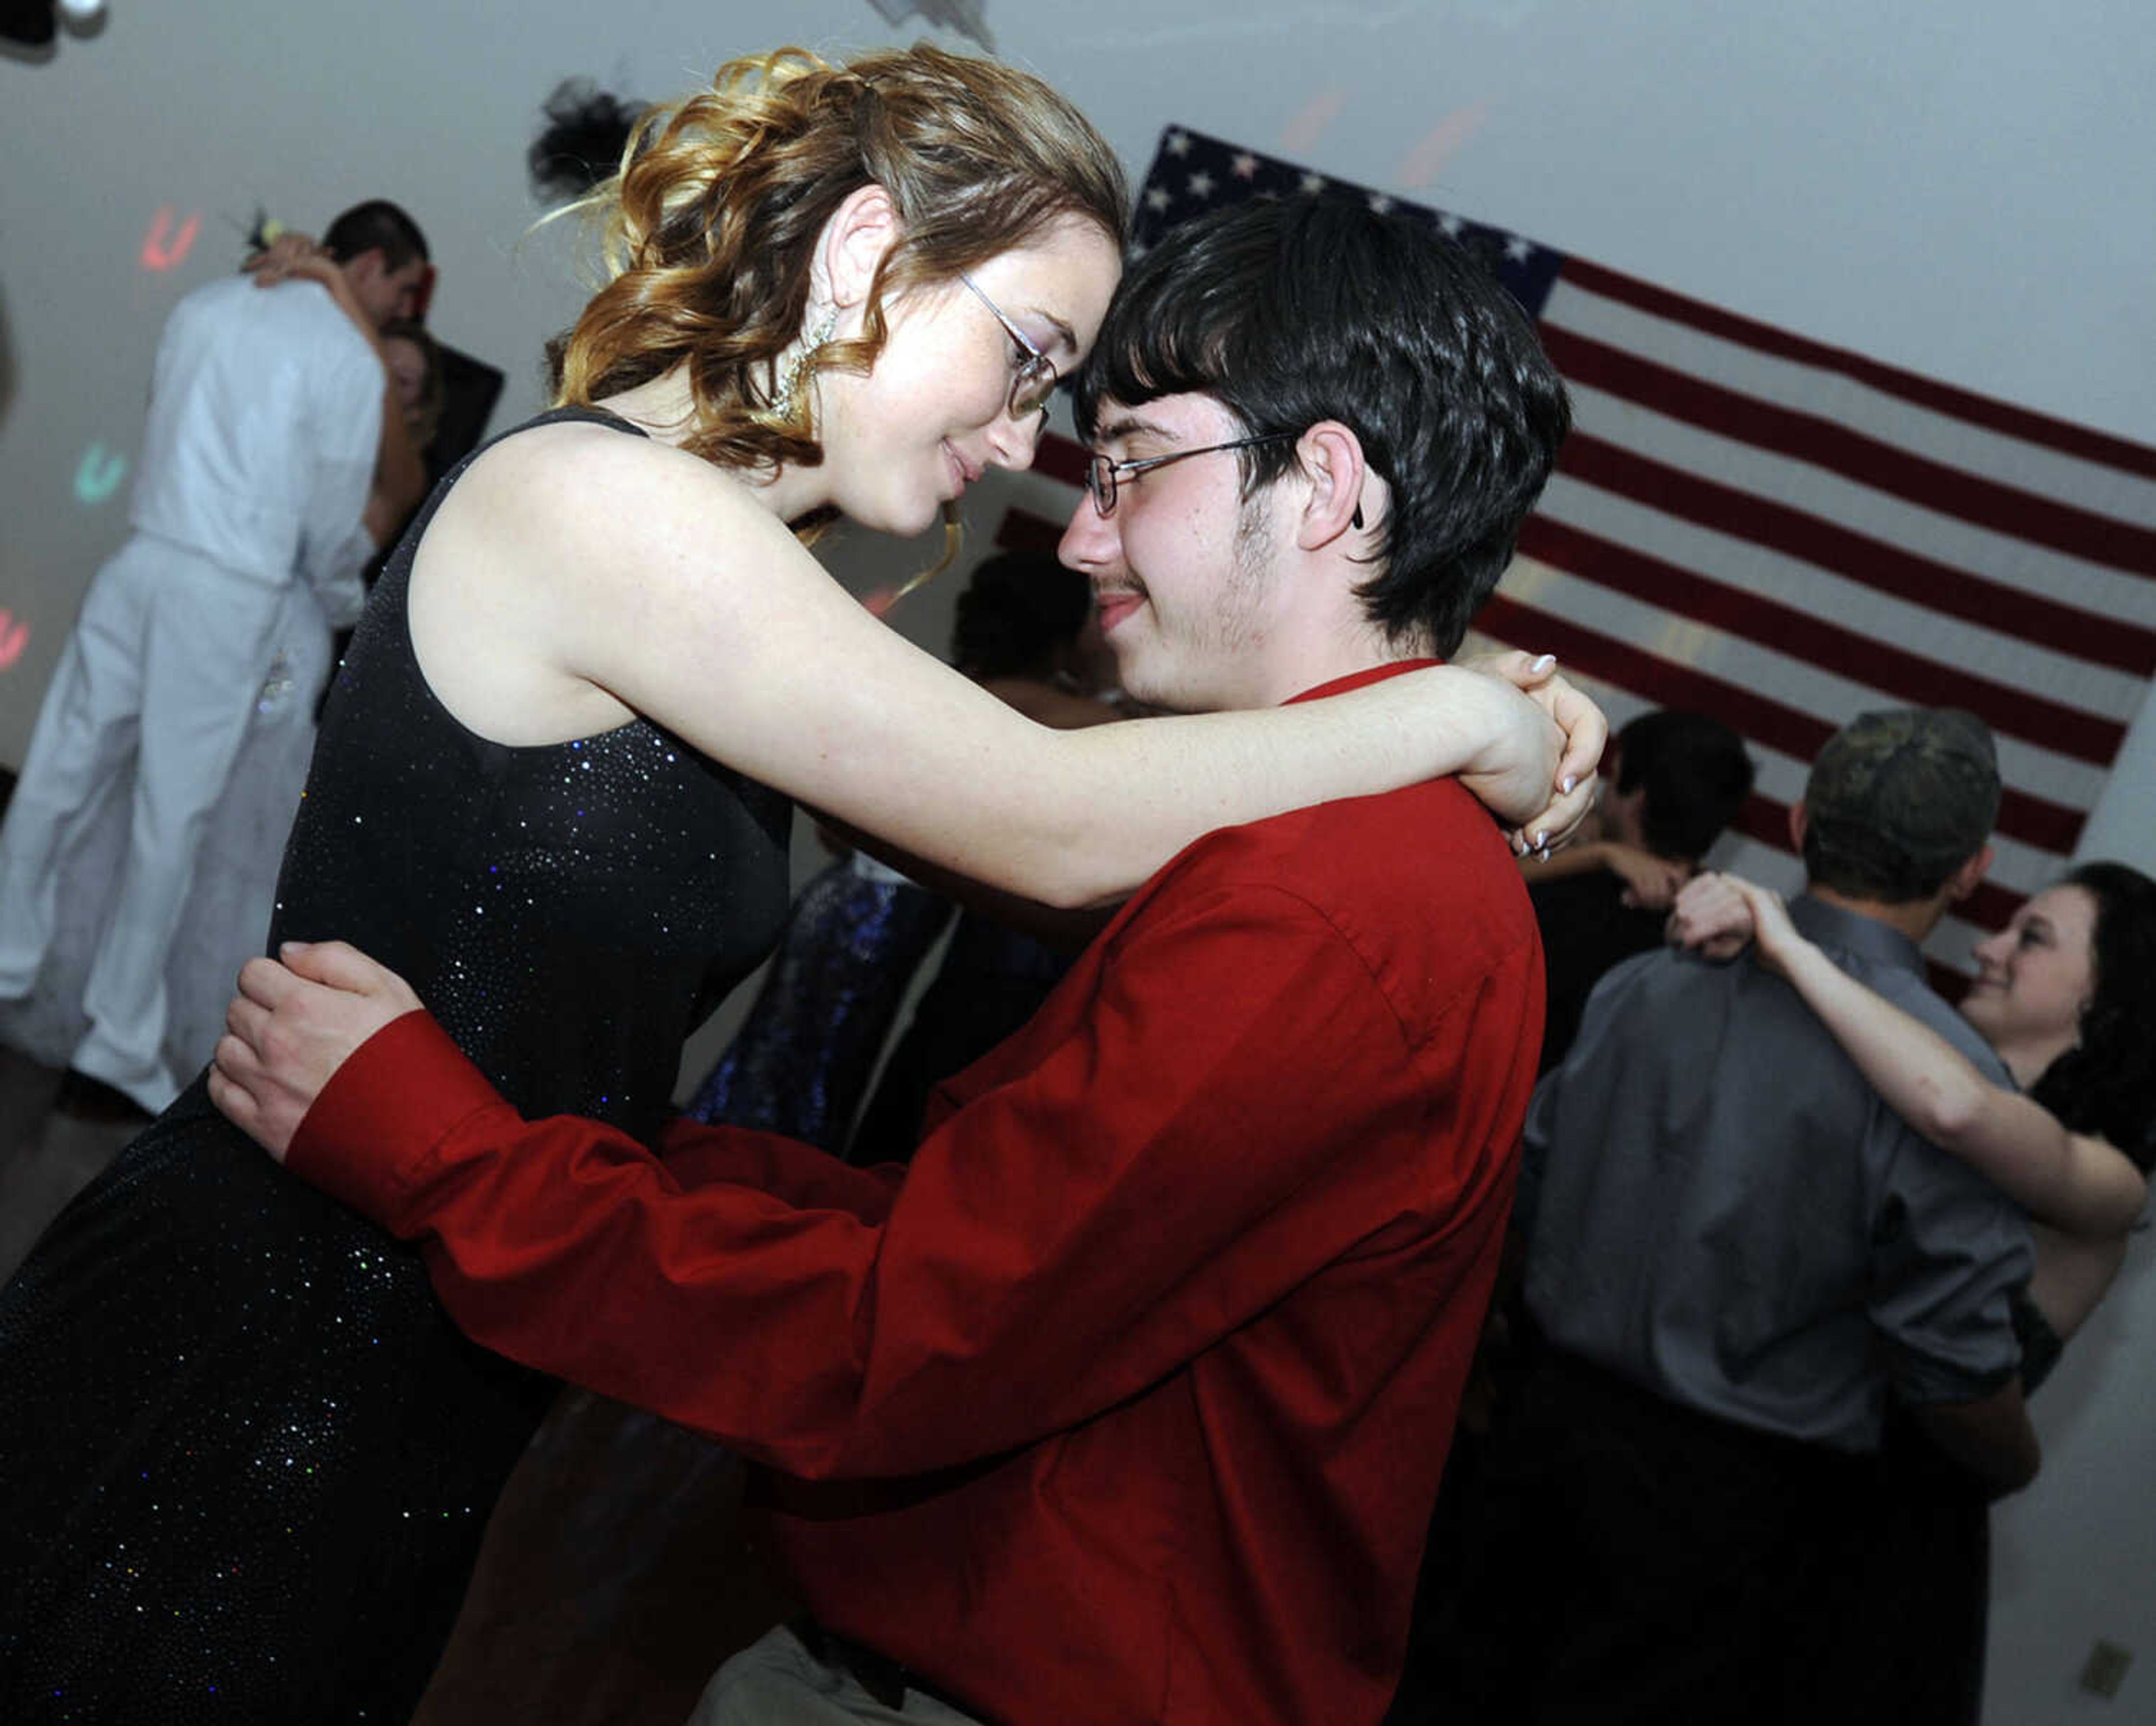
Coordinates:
<point>1783,535</point>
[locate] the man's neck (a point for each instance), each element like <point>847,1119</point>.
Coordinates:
<point>1914,918</point>
<point>1317,655</point>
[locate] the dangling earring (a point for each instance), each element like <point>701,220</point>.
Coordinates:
<point>812,341</point>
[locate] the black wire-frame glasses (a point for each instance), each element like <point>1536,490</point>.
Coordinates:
<point>1101,474</point>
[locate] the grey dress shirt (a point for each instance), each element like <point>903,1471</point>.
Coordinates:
<point>1724,1212</point>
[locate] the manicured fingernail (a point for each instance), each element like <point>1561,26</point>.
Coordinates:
<point>1544,663</point>
<point>1542,841</point>
<point>1567,782</point>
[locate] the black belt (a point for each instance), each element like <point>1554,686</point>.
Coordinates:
<point>883,1677</point>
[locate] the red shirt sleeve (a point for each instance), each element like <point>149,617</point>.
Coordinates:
<point>696,1154</point>
<point>1138,1183</point>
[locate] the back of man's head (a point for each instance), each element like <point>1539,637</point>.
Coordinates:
<point>1898,801</point>
<point>1289,311</point>
<point>377,225</point>
<point>1693,776</point>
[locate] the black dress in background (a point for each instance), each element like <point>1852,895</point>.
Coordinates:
<point>993,979</point>
<point>245,1460</point>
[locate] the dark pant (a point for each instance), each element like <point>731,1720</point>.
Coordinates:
<point>1629,1559</point>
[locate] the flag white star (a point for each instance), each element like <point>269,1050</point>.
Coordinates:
<point>1451,224</point>
<point>1312,184</point>
<point>1380,205</point>
<point>1157,199</point>
<point>1178,143</point>
<point>1518,250</point>
<point>1245,166</point>
<point>1201,185</point>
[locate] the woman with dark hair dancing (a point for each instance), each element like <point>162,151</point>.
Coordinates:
<point>245,1457</point>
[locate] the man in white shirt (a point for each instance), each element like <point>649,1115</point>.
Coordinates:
<point>265,427</point>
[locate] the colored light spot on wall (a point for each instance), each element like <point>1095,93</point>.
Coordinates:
<point>1427,158</point>
<point>1309,125</point>
<point>99,474</point>
<point>164,246</point>
<point>14,637</point>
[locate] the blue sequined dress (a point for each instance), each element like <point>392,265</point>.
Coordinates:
<point>804,1055</point>
<point>245,1460</point>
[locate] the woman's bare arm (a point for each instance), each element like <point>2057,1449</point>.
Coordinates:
<point>2080,1185</point>
<point>606,577</point>
<point>2073,1274</point>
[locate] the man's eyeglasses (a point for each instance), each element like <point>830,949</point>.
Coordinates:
<point>1034,381</point>
<point>1101,474</point>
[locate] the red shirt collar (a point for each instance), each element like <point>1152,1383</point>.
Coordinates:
<point>1356,680</point>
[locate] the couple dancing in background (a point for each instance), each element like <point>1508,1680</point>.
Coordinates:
<point>140,855</point>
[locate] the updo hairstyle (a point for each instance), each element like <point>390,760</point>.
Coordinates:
<point>710,227</point>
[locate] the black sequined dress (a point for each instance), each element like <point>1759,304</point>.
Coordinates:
<point>245,1460</point>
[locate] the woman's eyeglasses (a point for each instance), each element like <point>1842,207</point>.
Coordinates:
<point>1034,381</point>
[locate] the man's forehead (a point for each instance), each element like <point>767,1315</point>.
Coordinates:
<point>1176,419</point>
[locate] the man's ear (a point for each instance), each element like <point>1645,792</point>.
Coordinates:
<point>1966,879</point>
<point>1800,820</point>
<point>1341,484</point>
<point>854,240</point>
<point>364,268</point>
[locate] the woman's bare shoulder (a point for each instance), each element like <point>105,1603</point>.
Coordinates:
<point>580,486</point>
<point>552,467</point>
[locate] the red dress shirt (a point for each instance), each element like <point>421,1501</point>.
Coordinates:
<point>1128,1400</point>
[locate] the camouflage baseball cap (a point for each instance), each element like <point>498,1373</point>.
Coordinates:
<point>1901,797</point>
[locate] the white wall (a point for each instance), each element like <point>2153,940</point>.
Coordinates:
<point>1960,186</point>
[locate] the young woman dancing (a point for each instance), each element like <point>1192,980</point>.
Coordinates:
<point>244,1458</point>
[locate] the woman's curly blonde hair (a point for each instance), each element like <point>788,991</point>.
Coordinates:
<point>710,227</point>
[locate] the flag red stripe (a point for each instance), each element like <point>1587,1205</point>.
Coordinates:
<point>1826,545</point>
<point>1022,530</point>
<point>1060,458</point>
<point>1883,467</point>
<point>2034,820</point>
<point>1907,676</point>
<point>2082,442</point>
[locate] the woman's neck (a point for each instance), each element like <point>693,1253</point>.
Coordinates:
<point>665,409</point>
<point>2028,1058</point>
